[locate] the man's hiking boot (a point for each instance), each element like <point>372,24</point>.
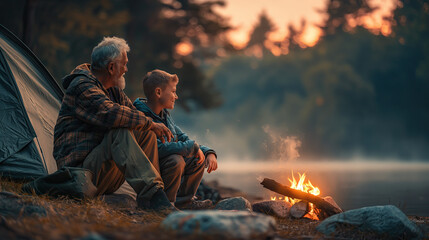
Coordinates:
<point>158,202</point>
<point>195,205</point>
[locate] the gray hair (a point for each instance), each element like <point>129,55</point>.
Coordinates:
<point>107,51</point>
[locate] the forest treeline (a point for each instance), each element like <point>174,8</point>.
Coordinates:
<point>63,33</point>
<point>356,92</point>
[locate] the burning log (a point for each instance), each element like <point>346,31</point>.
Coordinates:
<point>326,208</point>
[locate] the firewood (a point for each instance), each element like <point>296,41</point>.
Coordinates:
<point>276,208</point>
<point>326,208</point>
<point>299,209</point>
<point>330,200</point>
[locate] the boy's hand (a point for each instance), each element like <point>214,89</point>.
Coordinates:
<point>161,131</point>
<point>200,157</point>
<point>211,163</point>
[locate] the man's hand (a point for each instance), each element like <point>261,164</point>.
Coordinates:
<point>161,131</point>
<point>211,163</point>
<point>200,157</point>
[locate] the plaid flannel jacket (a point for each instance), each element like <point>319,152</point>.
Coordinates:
<point>87,113</point>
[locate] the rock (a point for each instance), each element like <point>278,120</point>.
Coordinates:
<point>235,203</point>
<point>12,205</point>
<point>299,209</point>
<point>274,208</point>
<point>379,219</point>
<point>230,224</point>
<point>93,236</point>
<point>119,200</point>
<point>205,192</point>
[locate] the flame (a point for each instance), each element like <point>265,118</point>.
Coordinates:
<point>305,187</point>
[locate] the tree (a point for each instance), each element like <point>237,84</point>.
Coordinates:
<point>294,35</point>
<point>410,25</point>
<point>63,34</point>
<point>410,31</point>
<point>28,20</point>
<point>259,34</point>
<point>341,12</point>
<point>158,28</point>
<point>354,93</point>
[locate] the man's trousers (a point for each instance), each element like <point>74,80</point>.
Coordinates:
<point>123,156</point>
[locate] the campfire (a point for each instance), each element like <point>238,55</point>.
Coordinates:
<point>303,198</point>
<point>308,209</point>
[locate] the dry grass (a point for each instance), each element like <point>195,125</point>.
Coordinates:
<point>71,219</point>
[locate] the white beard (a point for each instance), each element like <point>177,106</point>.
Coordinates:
<point>121,82</point>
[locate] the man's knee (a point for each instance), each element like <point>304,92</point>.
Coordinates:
<point>151,135</point>
<point>119,132</point>
<point>145,137</point>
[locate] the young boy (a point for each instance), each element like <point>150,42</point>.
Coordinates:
<point>181,161</point>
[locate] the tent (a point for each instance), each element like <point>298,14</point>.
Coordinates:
<point>30,100</point>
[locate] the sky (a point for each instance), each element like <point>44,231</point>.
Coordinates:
<point>243,15</point>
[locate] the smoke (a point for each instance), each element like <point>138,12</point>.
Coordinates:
<point>282,148</point>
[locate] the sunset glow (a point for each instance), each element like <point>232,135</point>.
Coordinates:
<point>311,35</point>
<point>284,12</point>
<point>184,48</point>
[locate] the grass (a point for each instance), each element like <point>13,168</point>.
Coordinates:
<point>71,219</point>
<point>68,219</point>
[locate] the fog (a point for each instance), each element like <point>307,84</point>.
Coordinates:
<point>264,142</point>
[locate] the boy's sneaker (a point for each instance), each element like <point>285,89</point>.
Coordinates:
<point>158,202</point>
<point>195,205</point>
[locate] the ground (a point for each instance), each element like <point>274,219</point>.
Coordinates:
<point>94,219</point>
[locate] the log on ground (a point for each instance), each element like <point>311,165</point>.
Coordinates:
<point>327,208</point>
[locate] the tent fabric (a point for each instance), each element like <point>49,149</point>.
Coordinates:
<point>30,100</point>
<point>14,128</point>
<point>22,165</point>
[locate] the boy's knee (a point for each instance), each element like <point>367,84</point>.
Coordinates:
<point>176,161</point>
<point>200,167</point>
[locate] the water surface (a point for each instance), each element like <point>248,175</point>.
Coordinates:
<point>353,184</point>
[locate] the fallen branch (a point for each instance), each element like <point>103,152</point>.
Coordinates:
<point>327,208</point>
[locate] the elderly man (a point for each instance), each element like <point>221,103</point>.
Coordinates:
<point>111,138</point>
